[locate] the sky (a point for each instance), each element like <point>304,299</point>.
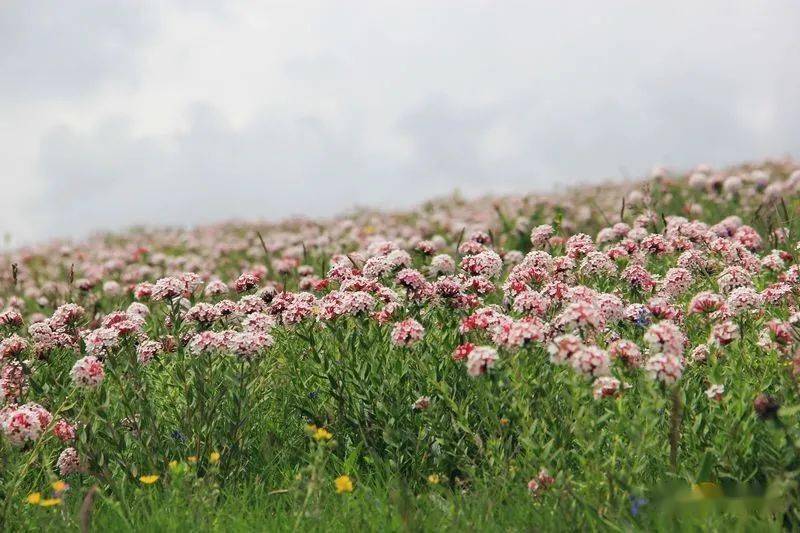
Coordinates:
<point>184,112</point>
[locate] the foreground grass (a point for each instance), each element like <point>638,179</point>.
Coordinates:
<point>395,508</point>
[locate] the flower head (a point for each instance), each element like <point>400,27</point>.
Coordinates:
<point>343,484</point>
<point>88,372</point>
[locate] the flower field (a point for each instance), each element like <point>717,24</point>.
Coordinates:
<point>622,357</point>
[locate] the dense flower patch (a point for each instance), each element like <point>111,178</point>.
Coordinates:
<point>595,345</point>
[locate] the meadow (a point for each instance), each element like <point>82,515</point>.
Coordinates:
<point>614,358</point>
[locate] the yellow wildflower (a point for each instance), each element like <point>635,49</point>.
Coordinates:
<point>173,465</point>
<point>50,502</point>
<point>343,484</point>
<point>192,459</point>
<point>59,486</point>
<point>149,480</point>
<point>434,479</point>
<point>214,458</point>
<point>34,498</point>
<point>322,434</point>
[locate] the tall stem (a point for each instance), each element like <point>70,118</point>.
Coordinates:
<point>674,428</point>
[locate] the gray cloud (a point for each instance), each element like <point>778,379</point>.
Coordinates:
<point>189,114</point>
<point>52,50</point>
<point>272,167</point>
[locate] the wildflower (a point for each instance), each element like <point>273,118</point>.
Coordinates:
<point>563,348</point>
<point>541,482</point>
<point>69,462</point>
<point>150,479</point>
<point>665,337</point>
<point>610,306</point>
<point>34,498</point>
<point>202,313</point>
<point>715,392</point>
<point>411,279</point>
<point>639,278</point>
<point>167,289</point>
<point>13,382</point>
<point>100,341</point>
<point>776,292</point>
<point>64,431</point>
<point>590,361</point>
<point>700,353</point>
<point>206,342</point>
<point>598,263</point>
<point>627,351</point>
<point>407,332</point>
<point>743,299</point>
<point>426,247</point>
<point>299,308</point>
<point>111,288</point>
<point>580,315</point>
<point>661,308</point>
<point>343,484</point>
<point>636,504</point>
<point>442,264</point>
<point>462,352</point>
<point>655,244</point>
<point>422,403</point>
<point>480,359</point>
<point>486,263</point>
<point>664,367</point>
<point>519,333</point>
<point>22,425</point>
<point>605,386</point>
<point>50,502</point>
<point>215,288</point>
<point>483,318</point>
<point>733,277</point>
<point>214,457</point>
<point>724,333</point>
<point>479,284</point>
<point>147,350</point>
<point>11,317</point>
<point>247,344</point>
<point>579,245</point>
<point>246,282</point>
<point>192,459</point>
<point>12,346</point>
<point>471,248</point>
<point>321,434</point>
<point>541,234</point>
<point>143,291</point>
<point>87,372</point>
<point>531,302</point>
<point>434,479</point>
<point>705,302</point>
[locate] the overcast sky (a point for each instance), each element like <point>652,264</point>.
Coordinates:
<point>184,112</point>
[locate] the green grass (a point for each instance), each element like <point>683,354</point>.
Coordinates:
<point>630,463</point>
<point>394,508</point>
